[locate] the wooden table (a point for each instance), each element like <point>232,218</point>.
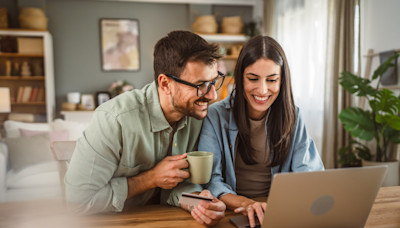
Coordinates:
<point>51,213</point>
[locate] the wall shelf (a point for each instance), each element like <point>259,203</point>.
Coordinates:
<point>29,103</point>
<point>21,30</point>
<point>230,57</point>
<point>389,87</point>
<point>38,78</point>
<point>3,54</point>
<point>223,37</point>
<point>208,2</point>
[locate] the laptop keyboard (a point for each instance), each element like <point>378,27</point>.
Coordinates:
<point>257,226</point>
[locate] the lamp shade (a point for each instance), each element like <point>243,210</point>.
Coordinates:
<point>5,103</point>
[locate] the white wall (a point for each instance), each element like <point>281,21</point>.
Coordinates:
<point>380,29</point>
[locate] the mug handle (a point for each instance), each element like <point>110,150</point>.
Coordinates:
<point>187,169</point>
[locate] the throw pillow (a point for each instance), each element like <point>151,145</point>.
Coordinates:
<point>75,129</point>
<point>26,151</point>
<point>12,127</point>
<point>54,135</point>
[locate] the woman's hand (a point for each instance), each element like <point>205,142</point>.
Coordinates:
<point>250,208</point>
<point>209,213</point>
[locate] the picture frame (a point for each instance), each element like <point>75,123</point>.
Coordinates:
<point>119,44</point>
<point>88,101</point>
<point>102,97</point>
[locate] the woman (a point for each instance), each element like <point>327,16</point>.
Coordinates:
<point>257,131</point>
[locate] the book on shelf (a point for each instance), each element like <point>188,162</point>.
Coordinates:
<point>40,96</point>
<point>21,117</point>
<point>34,94</point>
<point>27,94</point>
<point>20,94</point>
<point>27,117</point>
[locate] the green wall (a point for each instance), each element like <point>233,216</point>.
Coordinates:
<point>76,40</point>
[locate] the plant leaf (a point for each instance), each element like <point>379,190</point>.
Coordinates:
<point>361,123</point>
<point>356,85</point>
<point>395,138</point>
<point>392,134</point>
<point>384,66</point>
<point>392,120</point>
<point>385,101</point>
<point>350,126</point>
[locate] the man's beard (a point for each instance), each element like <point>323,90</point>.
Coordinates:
<point>188,109</point>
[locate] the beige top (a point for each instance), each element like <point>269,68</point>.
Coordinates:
<point>254,180</point>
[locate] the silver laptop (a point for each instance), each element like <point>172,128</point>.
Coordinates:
<point>330,198</point>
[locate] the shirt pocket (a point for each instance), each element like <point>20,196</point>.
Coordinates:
<point>126,171</point>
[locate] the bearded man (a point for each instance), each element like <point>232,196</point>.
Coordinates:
<point>133,151</point>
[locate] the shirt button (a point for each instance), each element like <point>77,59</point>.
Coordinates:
<point>174,144</point>
<point>230,146</point>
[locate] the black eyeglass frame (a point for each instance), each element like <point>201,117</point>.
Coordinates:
<point>221,75</point>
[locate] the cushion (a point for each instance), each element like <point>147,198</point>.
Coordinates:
<point>39,175</point>
<point>24,194</point>
<point>26,151</point>
<point>75,129</point>
<point>54,135</point>
<point>12,127</point>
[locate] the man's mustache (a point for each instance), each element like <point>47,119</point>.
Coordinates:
<point>203,100</point>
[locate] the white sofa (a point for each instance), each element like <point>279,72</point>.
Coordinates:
<point>39,180</point>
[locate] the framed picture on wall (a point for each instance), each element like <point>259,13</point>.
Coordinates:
<point>102,97</point>
<point>120,44</point>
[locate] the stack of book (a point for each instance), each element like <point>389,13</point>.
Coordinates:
<point>28,94</point>
<point>27,117</point>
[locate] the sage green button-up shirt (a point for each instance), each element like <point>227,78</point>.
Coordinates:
<point>128,135</point>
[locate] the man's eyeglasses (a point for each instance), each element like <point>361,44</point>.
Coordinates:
<point>203,88</point>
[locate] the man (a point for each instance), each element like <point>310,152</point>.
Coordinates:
<point>133,150</point>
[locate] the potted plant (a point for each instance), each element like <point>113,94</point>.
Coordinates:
<point>119,87</point>
<point>351,155</point>
<point>381,123</point>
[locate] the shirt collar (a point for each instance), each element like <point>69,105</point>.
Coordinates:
<point>158,122</point>
<point>227,101</point>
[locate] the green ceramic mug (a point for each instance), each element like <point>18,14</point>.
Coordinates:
<point>200,166</point>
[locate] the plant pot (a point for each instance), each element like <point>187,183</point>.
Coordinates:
<point>392,175</point>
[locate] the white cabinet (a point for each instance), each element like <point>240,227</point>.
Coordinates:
<point>78,116</point>
<point>45,106</point>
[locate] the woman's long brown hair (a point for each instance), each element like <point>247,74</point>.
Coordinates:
<point>282,115</point>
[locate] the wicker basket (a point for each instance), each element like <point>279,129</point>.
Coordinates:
<point>232,25</point>
<point>68,106</point>
<point>32,18</point>
<point>205,24</point>
<point>3,18</point>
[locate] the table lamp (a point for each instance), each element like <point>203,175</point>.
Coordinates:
<point>5,103</point>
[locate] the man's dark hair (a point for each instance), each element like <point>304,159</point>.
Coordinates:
<point>172,52</point>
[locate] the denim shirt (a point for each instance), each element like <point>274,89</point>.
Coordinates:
<point>218,135</point>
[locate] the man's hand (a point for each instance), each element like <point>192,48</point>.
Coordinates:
<point>168,172</point>
<point>209,213</point>
<point>250,209</point>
